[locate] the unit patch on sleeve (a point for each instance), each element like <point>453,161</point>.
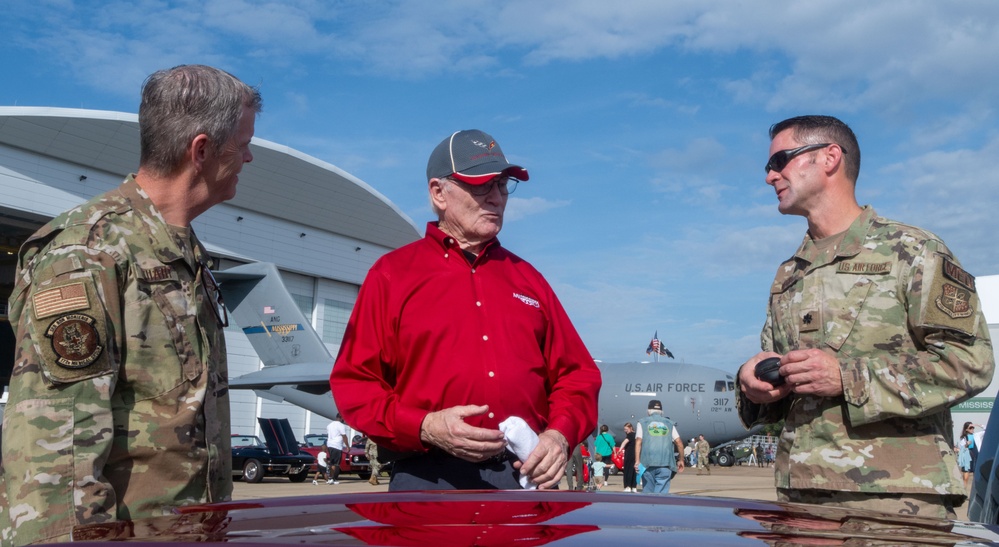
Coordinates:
<point>75,340</point>
<point>954,297</point>
<point>71,332</point>
<point>955,301</point>
<point>951,301</point>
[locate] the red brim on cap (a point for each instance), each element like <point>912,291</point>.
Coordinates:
<point>514,171</point>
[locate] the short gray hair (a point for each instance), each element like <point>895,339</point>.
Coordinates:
<point>444,182</point>
<point>183,102</point>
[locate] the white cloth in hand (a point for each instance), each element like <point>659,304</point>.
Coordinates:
<point>521,440</point>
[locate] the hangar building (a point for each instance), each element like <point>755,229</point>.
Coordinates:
<point>323,227</point>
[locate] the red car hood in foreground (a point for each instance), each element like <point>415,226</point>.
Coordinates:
<point>528,518</point>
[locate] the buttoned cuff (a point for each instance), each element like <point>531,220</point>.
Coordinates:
<point>410,423</point>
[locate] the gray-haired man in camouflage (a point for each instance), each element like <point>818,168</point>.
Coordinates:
<point>118,399</point>
<point>879,331</point>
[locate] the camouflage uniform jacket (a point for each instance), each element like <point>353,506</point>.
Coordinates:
<point>904,320</point>
<point>119,404</point>
<point>703,450</point>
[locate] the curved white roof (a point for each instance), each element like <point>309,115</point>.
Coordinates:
<point>280,182</point>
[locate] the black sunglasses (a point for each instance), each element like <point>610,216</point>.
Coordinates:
<point>781,158</point>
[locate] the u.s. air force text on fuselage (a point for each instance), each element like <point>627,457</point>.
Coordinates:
<point>719,403</point>
<point>661,387</point>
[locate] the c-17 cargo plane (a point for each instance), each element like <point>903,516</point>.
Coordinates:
<point>297,365</point>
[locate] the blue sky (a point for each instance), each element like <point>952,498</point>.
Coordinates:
<point>643,123</point>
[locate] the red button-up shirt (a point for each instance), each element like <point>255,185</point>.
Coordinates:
<point>430,331</point>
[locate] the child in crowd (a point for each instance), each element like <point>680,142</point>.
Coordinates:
<point>597,471</point>
<point>321,467</point>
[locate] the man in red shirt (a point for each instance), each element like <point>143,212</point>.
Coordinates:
<point>453,334</point>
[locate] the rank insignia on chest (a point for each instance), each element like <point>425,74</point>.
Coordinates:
<point>808,321</point>
<point>75,340</point>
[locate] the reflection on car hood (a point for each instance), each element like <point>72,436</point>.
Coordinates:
<point>530,518</point>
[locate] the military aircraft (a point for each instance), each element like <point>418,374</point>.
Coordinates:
<point>297,365</point>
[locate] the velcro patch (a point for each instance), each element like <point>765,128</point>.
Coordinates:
<point>58,300</point>
<point>75,340</point>
<point>74,345</point>
<point>159,273</point>
<point>949,303</point>
<point>809,321</point>
<point>955,301</point>
<point>955,273</point>
<point>864,267</point>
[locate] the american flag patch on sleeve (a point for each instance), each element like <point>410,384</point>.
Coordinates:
<point>58,300</point>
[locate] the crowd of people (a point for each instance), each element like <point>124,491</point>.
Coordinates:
<point>591,464</point>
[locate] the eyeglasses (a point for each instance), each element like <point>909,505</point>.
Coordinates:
<point>213,296</point>
<point>506,186</point>
<point>781,158</point>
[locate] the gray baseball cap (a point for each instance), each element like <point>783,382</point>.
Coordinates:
<point>473,157</point>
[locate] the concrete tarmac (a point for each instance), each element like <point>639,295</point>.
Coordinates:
<point>740,482</point>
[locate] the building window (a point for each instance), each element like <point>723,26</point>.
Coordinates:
<point>335,316</point>
<point>304,303</point>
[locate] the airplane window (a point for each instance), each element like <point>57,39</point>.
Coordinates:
<point>731,386</point>
<point>720,385</point>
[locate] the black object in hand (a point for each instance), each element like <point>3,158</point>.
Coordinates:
<point>768,370</point>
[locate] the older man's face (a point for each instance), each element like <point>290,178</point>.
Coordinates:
<point>472,218</point>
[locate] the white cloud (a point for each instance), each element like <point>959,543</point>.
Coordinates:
<point>518,208</point>
<point>952,193</point>
<point>862,53</point>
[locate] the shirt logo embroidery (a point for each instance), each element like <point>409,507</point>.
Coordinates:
<point>527,300</point>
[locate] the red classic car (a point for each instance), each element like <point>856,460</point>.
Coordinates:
<point>352,461</point>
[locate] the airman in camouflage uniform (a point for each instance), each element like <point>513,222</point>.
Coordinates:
<point>703,455</point>
<point>371,451</point>
<point>119,403</point>
<point>880,333</point>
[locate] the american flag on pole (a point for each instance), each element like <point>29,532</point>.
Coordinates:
<point>657,347</point>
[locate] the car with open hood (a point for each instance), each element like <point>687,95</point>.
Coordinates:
<point>280,456</point>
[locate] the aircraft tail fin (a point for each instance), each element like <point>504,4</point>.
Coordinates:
<point>260,304</point>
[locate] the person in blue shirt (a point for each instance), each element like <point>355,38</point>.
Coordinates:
<point>604,445</point>
<point>598,468</point>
